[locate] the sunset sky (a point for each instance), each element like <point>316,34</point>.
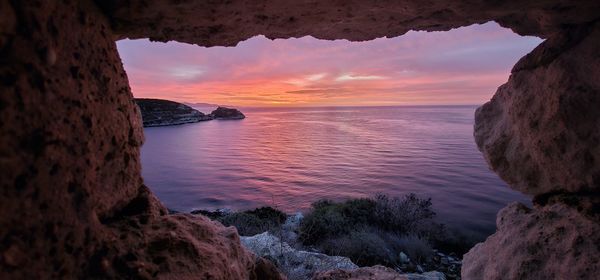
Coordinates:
<point>462,66</point>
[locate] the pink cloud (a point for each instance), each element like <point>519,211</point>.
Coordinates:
<point>461,66</point>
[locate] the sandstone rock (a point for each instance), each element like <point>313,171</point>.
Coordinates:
<point>159,112</point>
<point>222,113</point>
<point>180,246</point>
<point>72,202</point>
<point>540,132</point>
<point>227,23</point>
<point>551,242</point>
<point>293,263</point>
<point>376,272</point>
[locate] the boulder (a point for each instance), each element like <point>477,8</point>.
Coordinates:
<point>295,264</point>
<point>540,131</point>
<point>551,242</point>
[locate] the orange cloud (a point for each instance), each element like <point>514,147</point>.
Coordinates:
<point>461,66</point>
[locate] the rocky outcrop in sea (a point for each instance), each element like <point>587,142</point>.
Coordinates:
<point>222,113</point>
<point>160,112</point>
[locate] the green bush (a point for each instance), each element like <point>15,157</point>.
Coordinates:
<point>417,248</point>
<point>365,247</point>
<point>250,222</point>
<point>373,231</point>
<point>329,219</point>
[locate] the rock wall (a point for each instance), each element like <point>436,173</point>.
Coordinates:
<point>554,242</point>
<point>225,23</point>
<point>72,202</point>
<point>541,130</point>
<point>541,134</point>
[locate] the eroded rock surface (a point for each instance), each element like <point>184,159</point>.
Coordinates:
<point>72,202</point>
<point>214,23</point>
<point>555,242</point>
<point>541,130</point>
<point>541,134</point>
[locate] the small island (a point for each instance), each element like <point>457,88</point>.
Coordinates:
<point>160,112</point>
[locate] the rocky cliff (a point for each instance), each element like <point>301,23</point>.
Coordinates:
<point>159,112</point>
<point>72,199</point>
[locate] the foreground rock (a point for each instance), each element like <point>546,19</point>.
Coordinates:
<point>376,272</point>
<point>70,132</point>
<point>295,264</point>
<point>555,242</point>
<point>301,265</point>
<point>153,244</point>
<point>540,132</point>
<point>222,113</point>
<point>226,24</point>
<point>159,112</point>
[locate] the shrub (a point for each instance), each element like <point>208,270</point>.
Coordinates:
<point>329,219</point>
<point>250,222</point>
<point>417,248</point>
<point>365,247</point>
<point>246,224</point>
<point>268,214</point>
<point>403,216</point>
<point>456,242</point>
<point>373,230</point>
<point>408,216</point>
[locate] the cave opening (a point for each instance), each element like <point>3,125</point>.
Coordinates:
<point>329,120</point>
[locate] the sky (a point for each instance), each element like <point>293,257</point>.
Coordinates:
<point>460,66</point>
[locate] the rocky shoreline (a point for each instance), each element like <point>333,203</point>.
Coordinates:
<point>282,247</point>
<point>160,112</point>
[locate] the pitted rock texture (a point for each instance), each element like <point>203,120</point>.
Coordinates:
<point>553,242</point>
<point>217,23</point>
<point>541,130</point>
<point>72,202</point>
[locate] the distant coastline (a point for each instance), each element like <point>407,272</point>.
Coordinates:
<point>161,112</point>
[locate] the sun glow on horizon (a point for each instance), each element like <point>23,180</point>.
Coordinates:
<point>461,66</point>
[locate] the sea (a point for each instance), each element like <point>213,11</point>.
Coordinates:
<point>289,158</point>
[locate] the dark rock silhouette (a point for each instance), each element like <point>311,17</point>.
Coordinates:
<point>222,113</point>
<point>160,112</point>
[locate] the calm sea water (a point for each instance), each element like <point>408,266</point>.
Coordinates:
<point>292,157</point>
